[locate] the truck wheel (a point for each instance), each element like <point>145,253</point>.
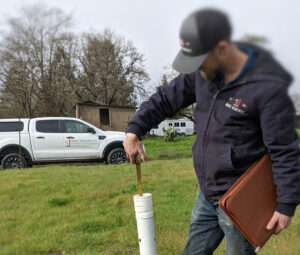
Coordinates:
<point>117,156</point>
<point>11,161</point>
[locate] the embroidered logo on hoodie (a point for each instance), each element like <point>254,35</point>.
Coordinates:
<point>236,104</point>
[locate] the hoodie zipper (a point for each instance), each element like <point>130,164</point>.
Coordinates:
<point>226,88</point>
<point>215,96</point>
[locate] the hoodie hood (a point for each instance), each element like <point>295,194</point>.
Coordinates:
<point>265,66</point>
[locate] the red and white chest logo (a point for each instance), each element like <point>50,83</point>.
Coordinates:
<point>236,104</point>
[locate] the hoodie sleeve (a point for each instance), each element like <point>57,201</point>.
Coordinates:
<point>278,124</point>
<point>168,100</point>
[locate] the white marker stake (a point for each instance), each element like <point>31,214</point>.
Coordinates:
<point>145,224</point>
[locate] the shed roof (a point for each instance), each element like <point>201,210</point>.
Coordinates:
<point>100,105</point>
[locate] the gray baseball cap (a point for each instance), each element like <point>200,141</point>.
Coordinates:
<point>200,32</point>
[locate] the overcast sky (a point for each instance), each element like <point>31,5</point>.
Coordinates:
<point>153,25</point>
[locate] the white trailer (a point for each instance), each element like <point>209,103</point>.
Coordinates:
<point>183,127</point>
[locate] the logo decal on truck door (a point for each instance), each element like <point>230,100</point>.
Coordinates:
<point>68,143</point>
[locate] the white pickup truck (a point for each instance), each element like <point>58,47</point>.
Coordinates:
<point>57,139</point>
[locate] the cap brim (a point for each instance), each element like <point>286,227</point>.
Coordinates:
<point>187,64</point>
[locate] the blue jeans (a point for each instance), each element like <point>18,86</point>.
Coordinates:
<point>208,226</point>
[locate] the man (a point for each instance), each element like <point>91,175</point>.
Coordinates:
<point>242,112</point>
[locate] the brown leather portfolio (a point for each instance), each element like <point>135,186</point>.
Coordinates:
<point>251,202</point>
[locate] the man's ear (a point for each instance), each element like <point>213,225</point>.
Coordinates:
<point>222,47</point>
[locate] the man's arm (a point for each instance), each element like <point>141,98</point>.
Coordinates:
<point>168,100</point>
<point>277,119</point>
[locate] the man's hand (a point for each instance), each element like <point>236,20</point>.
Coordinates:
<point>133,147</point>
<point>282,221</point>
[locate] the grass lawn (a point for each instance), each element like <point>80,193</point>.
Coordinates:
<point>157,148</point>
<point>89,210</point>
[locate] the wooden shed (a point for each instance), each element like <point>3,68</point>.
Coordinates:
<point>112,118</point>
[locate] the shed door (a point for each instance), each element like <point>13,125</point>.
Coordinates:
<point>104,117</point>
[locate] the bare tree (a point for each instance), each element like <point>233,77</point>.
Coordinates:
<point>296,100</point>
<point>113,71</point>
<point>255,39</point>
<point>31,61</point>
<point>259,40</point>
<point>187,112</point>
<point>46,70</point>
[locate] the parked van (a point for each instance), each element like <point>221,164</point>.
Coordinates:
<point>183,127</point>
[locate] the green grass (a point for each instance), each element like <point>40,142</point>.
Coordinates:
<point>157,148</point>
<point>89,210</point>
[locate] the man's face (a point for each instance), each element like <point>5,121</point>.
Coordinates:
<point>208,74</point>
<point>216,61</point>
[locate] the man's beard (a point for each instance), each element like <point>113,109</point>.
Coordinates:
<point>209,75</point>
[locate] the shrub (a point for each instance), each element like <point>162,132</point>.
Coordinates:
<point>169,133</point>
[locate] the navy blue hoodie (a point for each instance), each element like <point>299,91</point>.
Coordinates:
<point>236,126</point>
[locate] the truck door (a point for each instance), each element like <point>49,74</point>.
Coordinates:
<point>47,140</point>
<point>79,142</point>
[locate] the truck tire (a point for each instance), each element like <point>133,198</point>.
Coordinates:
<point>116,156</point>
<point>11,161</point>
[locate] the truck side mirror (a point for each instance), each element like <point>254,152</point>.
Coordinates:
<point>91,130</point>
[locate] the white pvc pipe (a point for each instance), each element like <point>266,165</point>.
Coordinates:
<point>145,224</point>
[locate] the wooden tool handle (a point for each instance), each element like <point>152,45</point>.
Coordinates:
<point>138,161</point>
<point>139,178</point>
